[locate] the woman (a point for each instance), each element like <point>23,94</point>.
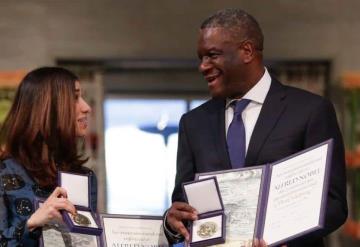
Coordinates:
<point>39,137</point>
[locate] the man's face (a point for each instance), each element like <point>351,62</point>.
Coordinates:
<point>221,62</point>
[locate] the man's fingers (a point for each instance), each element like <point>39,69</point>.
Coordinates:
<point>259,243</point>
<point>182,211</point>
<point>263,243</point>
<point>179,227</point>
<point>178,213</point>
<point>182,215</point>
<point>182,206</point>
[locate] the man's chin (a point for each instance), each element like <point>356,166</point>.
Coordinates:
<point>217,95</point>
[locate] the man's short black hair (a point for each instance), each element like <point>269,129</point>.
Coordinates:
<point>242,25</point>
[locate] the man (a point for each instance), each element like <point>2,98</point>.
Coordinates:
<point>278,120</point>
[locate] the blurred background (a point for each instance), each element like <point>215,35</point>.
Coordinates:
<point>138,67</point>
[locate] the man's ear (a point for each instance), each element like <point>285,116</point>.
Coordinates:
<point>247,50</point>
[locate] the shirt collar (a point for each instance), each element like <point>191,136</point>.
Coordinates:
<point>258,92</point>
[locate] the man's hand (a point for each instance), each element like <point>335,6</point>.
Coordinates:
<point>259,243</point>
<point>262,243</point>
<point>179,212</point>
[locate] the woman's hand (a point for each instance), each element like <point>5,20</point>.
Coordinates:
<point>50,209</point>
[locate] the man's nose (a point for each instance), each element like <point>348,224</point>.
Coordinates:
<point>204,65</point>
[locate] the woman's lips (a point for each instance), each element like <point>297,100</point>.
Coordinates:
<point>83,122</point>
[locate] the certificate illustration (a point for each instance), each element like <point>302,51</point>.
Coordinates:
<point>58,235</point>
<point>240,193</point>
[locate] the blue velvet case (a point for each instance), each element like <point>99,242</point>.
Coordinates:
<point>78,190</point>
<point>209,228</point>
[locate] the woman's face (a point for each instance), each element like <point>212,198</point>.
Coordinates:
<point>82,110</point>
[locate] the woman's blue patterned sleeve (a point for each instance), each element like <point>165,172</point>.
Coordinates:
<point>13,230</point>
<point>3,215</point>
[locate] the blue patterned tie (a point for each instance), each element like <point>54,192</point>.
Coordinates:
<point>236,135</point>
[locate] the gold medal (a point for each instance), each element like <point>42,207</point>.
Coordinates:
<point>81,219</point>
<point>207,229</point>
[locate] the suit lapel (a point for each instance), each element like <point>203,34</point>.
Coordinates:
<point>217,122</point>
<point>272,109</point>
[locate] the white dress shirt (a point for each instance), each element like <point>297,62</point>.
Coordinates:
<point>250,114</point>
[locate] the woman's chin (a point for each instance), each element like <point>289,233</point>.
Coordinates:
<point>81,133</point>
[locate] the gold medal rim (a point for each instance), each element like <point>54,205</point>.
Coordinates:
<point>80,222</point>
<point>209,234</point>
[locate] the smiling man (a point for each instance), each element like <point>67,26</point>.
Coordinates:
<point>276,121</point>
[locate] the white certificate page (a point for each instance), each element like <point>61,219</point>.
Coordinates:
<point>133,232</point>
<point>295,195</point>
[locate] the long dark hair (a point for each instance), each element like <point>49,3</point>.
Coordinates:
<point>40,129</point>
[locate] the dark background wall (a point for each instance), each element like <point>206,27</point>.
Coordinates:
<point>36,32</point>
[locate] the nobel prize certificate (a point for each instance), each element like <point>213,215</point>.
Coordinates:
<point>276,202</point>
<point>297,194</point>
<point>133,231</point>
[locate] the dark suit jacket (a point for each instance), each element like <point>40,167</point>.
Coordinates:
<point>290,121</point>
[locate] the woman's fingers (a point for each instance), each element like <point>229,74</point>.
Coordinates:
<point>53,213</point>
<point>59,201</point>
<point>50,210</point>
<point>58,192</point>
<point>64,204</point>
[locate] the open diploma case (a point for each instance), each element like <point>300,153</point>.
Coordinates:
<point>204,196</point>
<point>56,233</point>
<point>78,190</point>
<point>282,201</point>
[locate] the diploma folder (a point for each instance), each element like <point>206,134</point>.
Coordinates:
<point>288,197</point>
<point>55,233</point>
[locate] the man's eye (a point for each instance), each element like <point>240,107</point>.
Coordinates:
<point>214,55</point>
